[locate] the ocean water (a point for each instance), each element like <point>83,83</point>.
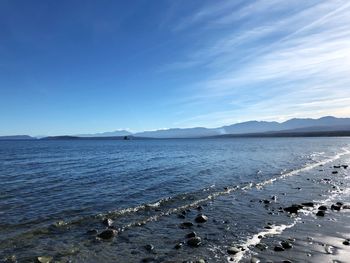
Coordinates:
<point>53,192</point>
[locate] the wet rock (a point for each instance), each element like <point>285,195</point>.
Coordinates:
<point>335,207</point>
<point>287,261</point>
<point>261,246</point>
<point>107,234</point>
<point>266,201</point>
<point>346,207</point>
<point>346,242</point>
<point>274,198</point>
<point>336,166</point>
<point>178,245</point>
<point>268,227</point>
<point>194,241</point>
<point>91,232</point>
<point>320,213</point>
<point>254,260</point>
<point>345,166</point>
<point>286,245</point>
<point>322,208</point>
<point>199,208</point>
<point>10,259</point>
<point>328,249</point>
<point>181,216</point>
<point>186,224</point>
<point>308,204</point>
<point>191,234</point>
<point>201,218</point>
<point>147,260</point>
<point>233,250</point>
<point>293,209</point>
<point>200,261</point>
<point>107,222</point>
<point>278,248</point>
<point>44,259</point>
<point>149,247</point>
<point>339,203</point>
<point>334,172</point>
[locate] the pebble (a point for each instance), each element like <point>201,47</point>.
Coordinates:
<point>107,234</point>
<point>191,234</point>
<point>44,259</point>
<point>194,241</point>
<point>320,213</point>
<point>278,248</point>
<point>201,218</point>
<point>233,250</point>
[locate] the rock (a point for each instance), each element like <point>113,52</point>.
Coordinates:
<point>336,166</point>
<point>107,234</point>
<point>308,204</point>
<point>322,208</point>
<point>261,246</point>
<point>181,216</point>
<point>286,245</point>
<point>287,261</point>
<point>194,241</point>
<point>199,208</point>
<point>345,166</point>
<point>346,207</point>
<point>201,218</point>
<point>149,247</point>
<point>107,222</point>
<point>200,261</point>
<point>320,213</point>
<point>146,260</point>
<point>191,234</point>
<point>334,172</point>
<point>233,250</point>
<point>328,249</point>
<point>254,260</point>
<point>186,224</point>
<point>335,207</point>
<point>266,201</point>
<point>278,248</point>
<point>44,259</point>
<point>339,203</point>
<point>91,232</point>
<point>346,243</point>
<point>293,209</point>
<point>178,245</point>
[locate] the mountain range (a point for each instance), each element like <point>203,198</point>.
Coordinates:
<point>324,124</point>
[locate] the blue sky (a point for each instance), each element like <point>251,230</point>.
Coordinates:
<point>70,67</point>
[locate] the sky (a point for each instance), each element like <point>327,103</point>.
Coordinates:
<point>71,67</point>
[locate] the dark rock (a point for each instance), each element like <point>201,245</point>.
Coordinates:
<point>274,198</point>
<point>199,208</point>
<point>107,234</point>
<point>181,216</point>
<point>178,245</point>
<point>194,241</point>
<point>191,234</point>
<point>336,166</point>
<point>308,204</point>
<point>287,261</point>
<point>345,166</point>
<point>147,260</point>
<point>186,225</point>
<point>91,232</point>
<point>346,243</point>
<point>268,227</point>
<point>286,245</point>
<point>339,203</point>
<point>201,218</point>
<point>149,247</point>
<point>293,209</point>
<point>278,248</point>
<point>266,201</point>
<point>322,208</point>
<point>107,222</point>
<point>320,213</point>
<point>346,207</point>
<point>335,207</point>
<point>200,261</point>
<point>261,246</point>
<point>334,172</point>
<point>233,250</point>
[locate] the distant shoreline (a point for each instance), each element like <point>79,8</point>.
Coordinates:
<point>247,135</point>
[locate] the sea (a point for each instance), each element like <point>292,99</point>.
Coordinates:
<point>56,194</point>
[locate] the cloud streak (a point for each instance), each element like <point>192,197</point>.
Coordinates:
<point>297,54</point>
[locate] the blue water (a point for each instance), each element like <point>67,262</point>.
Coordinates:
<point>43,182</point>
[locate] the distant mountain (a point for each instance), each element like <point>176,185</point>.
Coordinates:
<point>179,133</point>
<point>17,137</point>
<point>107,134</point>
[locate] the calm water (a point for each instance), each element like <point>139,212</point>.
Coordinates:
<point>143,185</point>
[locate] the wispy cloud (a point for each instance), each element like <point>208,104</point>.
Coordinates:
<point>286,59</point>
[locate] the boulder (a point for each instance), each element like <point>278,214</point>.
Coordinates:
<point>107,234</point>
<point>194,241</point>
<point>201,218</point>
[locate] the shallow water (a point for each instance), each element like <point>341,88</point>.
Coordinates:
<point>144,185</point>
